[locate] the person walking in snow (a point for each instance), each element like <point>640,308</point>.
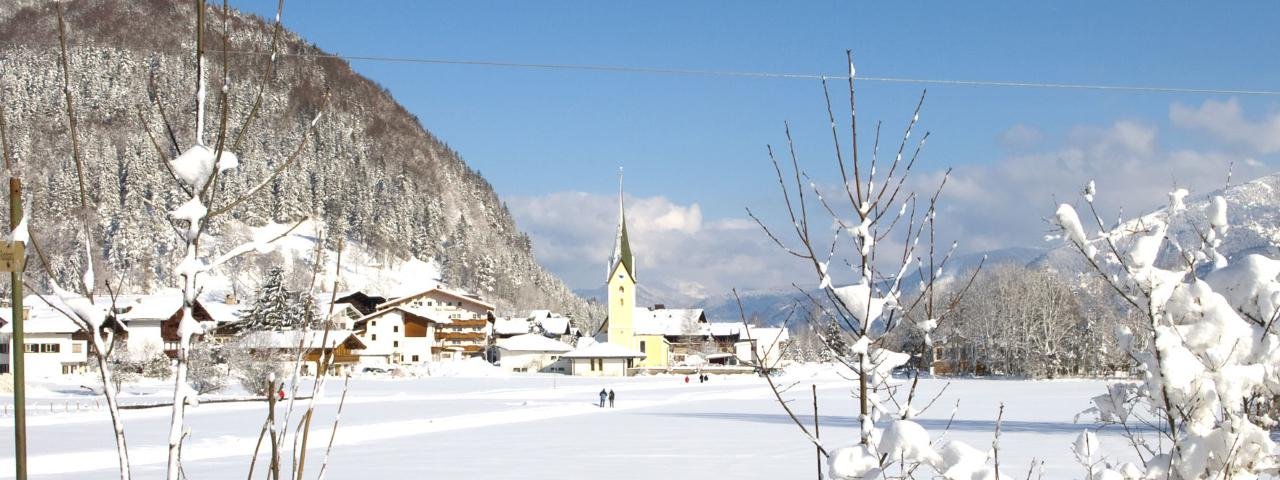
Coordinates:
<point>610,398</point>
<point>603,396</point>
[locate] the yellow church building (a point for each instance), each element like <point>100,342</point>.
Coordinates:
<point>622,301</point>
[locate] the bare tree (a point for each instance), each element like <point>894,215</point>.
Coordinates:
<point>868,233</point>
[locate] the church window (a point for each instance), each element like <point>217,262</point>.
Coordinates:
<point>642,346</point>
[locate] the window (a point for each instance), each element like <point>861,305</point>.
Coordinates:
<point>70,369</point>
<point>373,323</point>
<point>4,368</point>
<point>597,364</point>
<point>4,348</point>
<point>169,345</point>
<point>373,337</point>
<point>395,328</point>
<point>395,344</point>
<point>77,348</point>
<point>43,348</point>
<point>415,358</point>
<point>642,346</point>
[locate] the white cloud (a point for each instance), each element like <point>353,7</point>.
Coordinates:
<point>984,206</point>
<point>1003,204</point>
<point>1225,121</point>
<point>676,250</point>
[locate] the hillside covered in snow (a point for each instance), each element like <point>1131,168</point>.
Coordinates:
<point>370,173</point>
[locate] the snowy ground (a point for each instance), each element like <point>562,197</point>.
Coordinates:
<point>534,427</point>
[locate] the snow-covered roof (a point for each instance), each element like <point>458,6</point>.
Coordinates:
<point>43,318</point>
<point>603,350</point>
<point>510,326</point>
<point>767,334</point>
<point>555,325</point>
<point>669,321</point>
<point>458,294</point>
<point>159,306</point>
<point>539,314</point>
<point>310,339</point>
<point>532,342</point>
<point>725,329</point>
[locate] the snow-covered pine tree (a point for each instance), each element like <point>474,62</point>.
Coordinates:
<point>276,308</point>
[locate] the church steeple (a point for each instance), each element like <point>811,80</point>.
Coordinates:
<point>622,245</point>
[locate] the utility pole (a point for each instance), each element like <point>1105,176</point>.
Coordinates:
<point>14,255</point>
<point>18,345</point>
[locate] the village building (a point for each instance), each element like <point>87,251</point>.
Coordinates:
<point>151,321</point>
<point>54,344</point>
<point>762,347</point>
<point>336,347</point>
<point>665,337</point>
<point>436,324</point>
<point>593,359</point>
<point>533,352</point>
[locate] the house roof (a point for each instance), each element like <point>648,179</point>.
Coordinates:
<point>532,342</point>
<point>555,324</point>
<point>43,318</point>
<point>162,305</point>
<point>510,326</point>
<point>458,294</point>
<point>603,350</point>
<point>669,321</point>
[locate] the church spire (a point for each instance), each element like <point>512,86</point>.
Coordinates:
<point>622,245</point>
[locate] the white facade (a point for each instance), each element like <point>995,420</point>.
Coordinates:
<point>769,344</point>
<point>51,346</point>
<point>600,367</point>
<point>388,339</point>
<point>601,359</point>
<point>533,353</point>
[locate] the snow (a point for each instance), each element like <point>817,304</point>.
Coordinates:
<point>510,326</point>
<point>361,271</point>
<point>1070,222</point>
<point>20,233</point>
<point>532,342</point>
<point>730,427</point>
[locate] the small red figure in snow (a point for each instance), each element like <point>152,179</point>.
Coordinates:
<point>281,393</point>
<point>686,379</point>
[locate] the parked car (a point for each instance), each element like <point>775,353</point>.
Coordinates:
<point>374,370</point>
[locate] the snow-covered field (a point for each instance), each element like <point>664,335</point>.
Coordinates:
<point>535,427</point>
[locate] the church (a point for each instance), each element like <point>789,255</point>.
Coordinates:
<point>664,336</point>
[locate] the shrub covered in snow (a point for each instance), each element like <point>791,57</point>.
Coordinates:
<point>1208,348</point>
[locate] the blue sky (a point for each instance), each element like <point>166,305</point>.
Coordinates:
<point>552,140</point>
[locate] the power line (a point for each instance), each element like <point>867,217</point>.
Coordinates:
<point>782,75</point>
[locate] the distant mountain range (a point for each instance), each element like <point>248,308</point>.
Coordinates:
<point>771,306</point>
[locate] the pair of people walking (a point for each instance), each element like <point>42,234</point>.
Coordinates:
<point>606,395</point>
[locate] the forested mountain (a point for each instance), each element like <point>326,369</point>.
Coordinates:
<point>370,172</point>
